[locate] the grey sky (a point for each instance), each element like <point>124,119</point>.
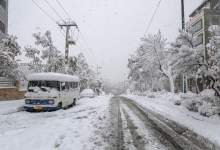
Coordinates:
<point>112,28</point>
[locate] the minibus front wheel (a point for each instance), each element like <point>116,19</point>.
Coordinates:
<point>74,102</point>
<point>59,105</point>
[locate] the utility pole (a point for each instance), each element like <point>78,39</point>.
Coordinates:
<point>183,14</point>
<point>185,85</point>
<point>68,25</point>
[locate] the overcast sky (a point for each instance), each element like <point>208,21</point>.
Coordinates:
<point>111,28</point>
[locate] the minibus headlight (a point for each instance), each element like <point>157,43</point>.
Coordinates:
<point>50,101</point>
<point>27,101</point>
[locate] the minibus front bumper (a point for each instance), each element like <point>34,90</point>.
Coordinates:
<point>40,108</point>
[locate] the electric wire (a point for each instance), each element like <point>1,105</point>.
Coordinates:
<point>59,3</point>
<point>47,14</point>
<point>86,43</point>
<point>79,32</point>
<point>54,10</point>
<point>152,18</point>
<point>86,48</point>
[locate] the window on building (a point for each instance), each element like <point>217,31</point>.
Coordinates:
<point>215,20</point>
<point>3,3</point>
<point>198,40</point>
<point>2,27</point>
<point>197,26</point>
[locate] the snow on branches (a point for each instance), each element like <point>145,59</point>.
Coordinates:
<point>79,66</point>
<point>152,61</point>
<point>9,49</point>
<point>182,57</point>
<point>45,57</point>
<point>52,56</point>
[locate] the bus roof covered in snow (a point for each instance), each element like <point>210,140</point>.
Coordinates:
<point>52,77</point>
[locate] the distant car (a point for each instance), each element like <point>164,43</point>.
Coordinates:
<point>87,93</point>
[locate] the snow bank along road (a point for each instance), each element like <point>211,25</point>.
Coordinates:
<point>101,123</point>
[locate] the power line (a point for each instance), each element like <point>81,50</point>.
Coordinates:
<point>83,48</point>
<point>152,18</point>
<point>87,48</point>
<point>47,14</point>
<point>59,3</point>
<point>86,43</point>
<point>54,10</point>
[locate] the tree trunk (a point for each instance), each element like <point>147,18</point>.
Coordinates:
<point>197,87</point>
<point>213,86</point>
<point>172,86</point>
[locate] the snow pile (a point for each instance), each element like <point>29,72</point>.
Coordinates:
<point>87,91</point>
<point>206,103</point>
<point>191,101</point>
<point>210,104</point>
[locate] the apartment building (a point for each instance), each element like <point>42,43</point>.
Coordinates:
<point>3,18</point>
<point>205,15</point>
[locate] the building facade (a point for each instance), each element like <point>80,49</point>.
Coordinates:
<point>207,14</point>
<point>3,18</point>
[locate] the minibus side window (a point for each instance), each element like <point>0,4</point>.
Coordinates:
<point>71,85</point>
<point>67,86</point>
<point>62,86</point>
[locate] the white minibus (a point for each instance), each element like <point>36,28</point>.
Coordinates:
<point>51,91</point>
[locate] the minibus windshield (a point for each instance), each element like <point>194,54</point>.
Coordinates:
<point>43,85</point>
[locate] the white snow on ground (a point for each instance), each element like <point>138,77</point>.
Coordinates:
<point>78,128</point>
<point>127,137</point>
<point>162,104</point>
<point>7,107</point>
<point>150,141</point>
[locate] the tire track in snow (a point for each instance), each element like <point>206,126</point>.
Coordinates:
<point>137,139</point>
<point>153,136</point>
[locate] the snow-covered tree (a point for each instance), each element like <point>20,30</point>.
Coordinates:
<point>79,66</point>
<point>185,57</point>
<point>152,62</point>
<point>211,65</point>
<point>50,54</point>
<point>157,57</point>
<point>9,49</point>
<point>36,62</point>
<point>192,60</point>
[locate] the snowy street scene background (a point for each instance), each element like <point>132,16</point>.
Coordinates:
<point>109,75</point>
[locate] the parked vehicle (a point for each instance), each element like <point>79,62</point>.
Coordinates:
<point>51,91</point>
<point>89,93</point>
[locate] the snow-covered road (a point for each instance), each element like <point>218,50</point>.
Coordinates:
<point>82,127</point>
<point>101,123</point>
<point>162,104</point>
<point>135,131</point>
